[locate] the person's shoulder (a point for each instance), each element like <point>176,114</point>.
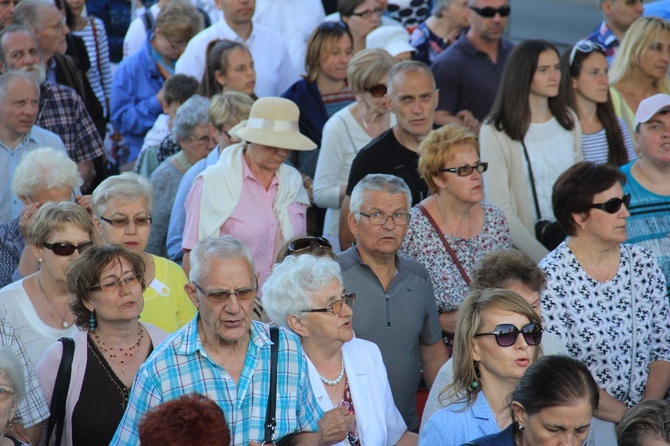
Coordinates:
<point>377,144</point>
<point>45,136</point>
<point>639,254</point>
<point>268,35</point>
<point>12,291</point>
<point>414,267</point>
<point>295,91</point>
<point>347,259</point>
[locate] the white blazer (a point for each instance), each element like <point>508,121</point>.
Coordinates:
<point>378,419</point>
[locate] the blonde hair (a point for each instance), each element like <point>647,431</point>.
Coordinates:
<point>52,217</point>
<point>470,318</point>
<point>437,148</point>
<point>126,187</point>
<point>642,33</point>
<point>367,67</point>
<point>230,107</point>
<point>180,19</point>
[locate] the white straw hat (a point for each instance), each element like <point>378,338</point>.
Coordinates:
<point>273,122</point>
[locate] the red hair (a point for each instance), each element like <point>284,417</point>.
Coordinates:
<point>189,420</point>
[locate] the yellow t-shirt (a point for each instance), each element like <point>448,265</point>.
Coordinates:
<point>166,304</point>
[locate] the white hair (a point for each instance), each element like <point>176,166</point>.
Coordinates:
<point>225,247</point>
<point>45,167</point>
<point>126,187</point>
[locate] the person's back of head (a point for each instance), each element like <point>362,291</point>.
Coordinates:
<point>649,420</point>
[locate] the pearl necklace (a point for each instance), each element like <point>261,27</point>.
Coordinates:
<point>336,381</point>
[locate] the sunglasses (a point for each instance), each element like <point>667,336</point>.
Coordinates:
<point>489,12</point>
<point>336,306</point>
<point>585,46</point>
<point>507,334</point>
<point>464,171</point>
<point>67,249</point>
<point>377,91</point>
<point>305,243</point>
<point>613,205</point>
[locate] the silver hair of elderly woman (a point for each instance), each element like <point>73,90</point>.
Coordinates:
<point>289,289</point>
<point>190,114</point>
<point>45,167</point>
<point>378,182</point>
<point>11,368</point>
<point>126,187</point>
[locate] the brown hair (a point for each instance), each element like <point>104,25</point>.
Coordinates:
<point>321,41</point>
<point>217,60</point>
<point>180,19</point>
<point>498,268</point>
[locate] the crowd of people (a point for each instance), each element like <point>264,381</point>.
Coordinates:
<point>246,222</point>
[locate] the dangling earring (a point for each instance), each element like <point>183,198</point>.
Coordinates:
<point>474,385</point>
<point>91,322</point>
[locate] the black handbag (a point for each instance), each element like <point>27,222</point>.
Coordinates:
<point>549,233</point>
<point>270,419</point>
<point>59,397</point>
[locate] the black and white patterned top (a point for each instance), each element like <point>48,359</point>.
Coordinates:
<point>618,328</point>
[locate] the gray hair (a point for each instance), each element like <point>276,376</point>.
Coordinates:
<point>29,12</point>
<point>408,66</point>
<point>12,369</point>
<point>8,77</point>
<point>45,167</point>
<point>292,284</point>
<point>12,29</point>
<point>126,187</point>
<point>225,247</point>
<point>190,114</point>
<point>379,182</point>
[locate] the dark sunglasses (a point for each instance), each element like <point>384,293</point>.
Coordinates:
<point>464,171</point>
<point>585,46</point>
<point>507,334</point>
<point>489,12</point>
<point>67,249</point>
<point>377,91</point>
<point>612,205</point>
<point>305,243</point>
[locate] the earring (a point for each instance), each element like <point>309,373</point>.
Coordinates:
<point>39,260</point>
<point>521,428</point>
<point>474,385</point>
<point>100,233</point>
<point>8,429</point>
<point>91,322</point>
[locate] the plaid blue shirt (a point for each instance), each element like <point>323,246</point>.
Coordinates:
<point>63,112</point>
<point>604,36</point>
<point>180,366</point>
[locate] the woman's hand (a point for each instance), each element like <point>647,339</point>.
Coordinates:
<point>26,214</point>
<point>335,424</point>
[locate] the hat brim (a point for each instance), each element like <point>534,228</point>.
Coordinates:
<point>273,138</point>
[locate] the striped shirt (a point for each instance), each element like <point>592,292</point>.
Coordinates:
<point>596,148</point>
<point>100,73</point>
<point>181,366</point>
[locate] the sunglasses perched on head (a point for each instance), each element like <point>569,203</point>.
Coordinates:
<point>612,205</point>
<point>377,91</point>
<point>489,12</point>
<point>507,334</point>
<point>305,243</point>
<point>464,171</point>
<point>585,46</point>
<point>67,249</point>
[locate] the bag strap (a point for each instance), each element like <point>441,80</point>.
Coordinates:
<point>148,20</point>
<point>61,387</point>
<point>532,182</point>
<point>270,419</point>
<point>446,244</point>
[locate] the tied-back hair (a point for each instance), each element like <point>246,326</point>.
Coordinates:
<point>470,319</point>
<point>217,60</point>
<point>617,153</point>
<point>511,110</point>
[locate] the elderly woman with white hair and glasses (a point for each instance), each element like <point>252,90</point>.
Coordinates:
<point>305,294</point>
<point>12,391</point>
<point>122,207</point>
<point>38,306</point>
<point>43,176</point>
<point>192,131</point>
<point>250,193</point>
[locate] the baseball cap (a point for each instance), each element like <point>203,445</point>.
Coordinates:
<point>650,106</point>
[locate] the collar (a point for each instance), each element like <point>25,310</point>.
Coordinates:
<point>606,34</point>
<point>226,32</point>
<point>191,340</point>
<point>467,47</point>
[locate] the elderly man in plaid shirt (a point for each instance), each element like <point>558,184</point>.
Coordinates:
<point>225,356</point>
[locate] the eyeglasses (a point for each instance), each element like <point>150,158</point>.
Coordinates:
<point>143,220</point>
<point>336,306</point>
<point>305,243</point>
<point>377,91</point>
<point>612,205</point>
<point>178,45</point>
<point>115,285</point>
<point>585,46</point>
<point>6,393</point>
<point>201,141</point>
<point>507,334</point>
<point>369,13</point>
<point>378,219</point>
<point>464,171</point>
<point>67,249</point>
<point>489,12</point>
<point>219,296</point>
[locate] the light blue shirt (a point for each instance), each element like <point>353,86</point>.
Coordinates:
<point>37,138</point>
<point>453,426</point>
<point>178,218</point>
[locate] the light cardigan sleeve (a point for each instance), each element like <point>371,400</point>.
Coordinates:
<point>329,176</point>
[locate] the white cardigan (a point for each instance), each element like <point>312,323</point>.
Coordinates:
<point>378,420</point>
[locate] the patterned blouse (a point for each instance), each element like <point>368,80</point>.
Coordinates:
<point>618,328</point>
<point>423,244</point>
